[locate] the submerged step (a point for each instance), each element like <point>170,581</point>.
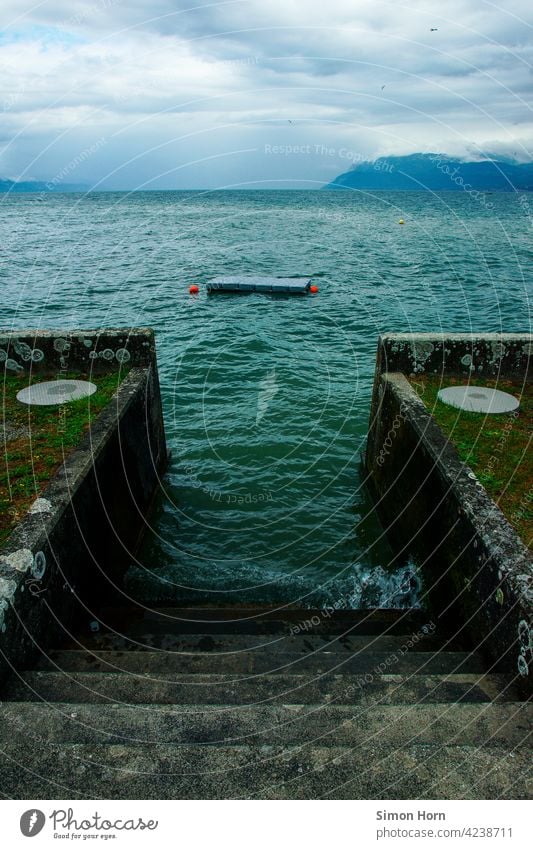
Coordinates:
<point>221,644</point>
<point>271,285</point>
<point>483,724</point>
<point>415,771</point>
<point>102,687</point>
<point>283,622</point>
<point>170,665</point>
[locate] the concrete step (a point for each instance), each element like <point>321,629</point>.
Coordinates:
<point>170,665</point>
<point>325,725</point>
<point>415,771</point>
<point>101,687</point>
<point>261,620</point>
<point>231,643</point>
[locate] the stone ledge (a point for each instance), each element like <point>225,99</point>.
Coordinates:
<point>458,353</point>
<point>76,350</point>
<point>478,572</point>
<point>76,541</point>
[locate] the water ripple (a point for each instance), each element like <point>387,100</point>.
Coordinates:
<point>266,400</point>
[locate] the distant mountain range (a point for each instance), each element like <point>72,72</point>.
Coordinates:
<point>37,186</point>
<point>436,172</point>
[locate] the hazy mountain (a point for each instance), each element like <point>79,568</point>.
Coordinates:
<point>437,172</point>
<point>37,186</point>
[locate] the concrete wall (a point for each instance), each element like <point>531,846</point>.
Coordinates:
<point>455,353</point>
<point>75,350</point>
<point>73,547</point>
<point>477,572</point>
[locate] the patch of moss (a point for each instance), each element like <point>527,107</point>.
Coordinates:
<point>36,440</point>
<point>496,447</point>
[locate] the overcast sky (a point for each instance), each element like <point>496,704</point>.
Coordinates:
<point>187,94</point>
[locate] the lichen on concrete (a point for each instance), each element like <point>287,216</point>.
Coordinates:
<point>7,593</point>
<point>41,505</point>
<point>76,541</point>
<point>491,353</point>
<point>476,567</point>
<point>20,560</point>
<point>101,350</point>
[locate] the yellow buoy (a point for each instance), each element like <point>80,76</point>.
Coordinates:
<point>401,221</point>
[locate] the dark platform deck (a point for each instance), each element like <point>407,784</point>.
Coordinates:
<point>271,285</point>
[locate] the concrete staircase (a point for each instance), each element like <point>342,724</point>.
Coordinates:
<point>263,703</point>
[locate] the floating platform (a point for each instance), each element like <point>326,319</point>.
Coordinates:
<point>271,285</point>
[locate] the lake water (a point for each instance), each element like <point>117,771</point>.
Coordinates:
<point>266,400</point>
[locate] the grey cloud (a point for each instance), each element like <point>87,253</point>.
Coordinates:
<point>165,69</point>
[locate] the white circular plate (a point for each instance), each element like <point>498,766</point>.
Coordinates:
<point>478,399</point>
<point>55,392</point>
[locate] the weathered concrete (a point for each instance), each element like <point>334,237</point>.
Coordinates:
<point>222,644</point>
<point>150,725</point>
<point>477,571</point>
<point>136,620</point>
<point>279,688</point>
<point>86,351</point>
<point>455,353</point>
<point>171,665</point>
<point>470,724</point>
<point>74,543</point>
<point>372,771</point>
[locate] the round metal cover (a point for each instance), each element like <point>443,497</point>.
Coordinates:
<point>478,399</point>
<point>55,392</point>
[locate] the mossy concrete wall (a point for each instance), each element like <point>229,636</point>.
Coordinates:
<point>490,354</point>
<point>87,351</point>
<point>477,572</point>
<point>72,548</point>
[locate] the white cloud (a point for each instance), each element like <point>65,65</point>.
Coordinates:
<point>178,81</point>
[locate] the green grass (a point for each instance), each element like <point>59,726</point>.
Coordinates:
<point>46,436</point>
<point>496,447</point>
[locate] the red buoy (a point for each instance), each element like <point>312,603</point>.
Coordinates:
<point>194,289</point>
<point>313,289</point>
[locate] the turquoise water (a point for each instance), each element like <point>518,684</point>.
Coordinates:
<point>266,400</point>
